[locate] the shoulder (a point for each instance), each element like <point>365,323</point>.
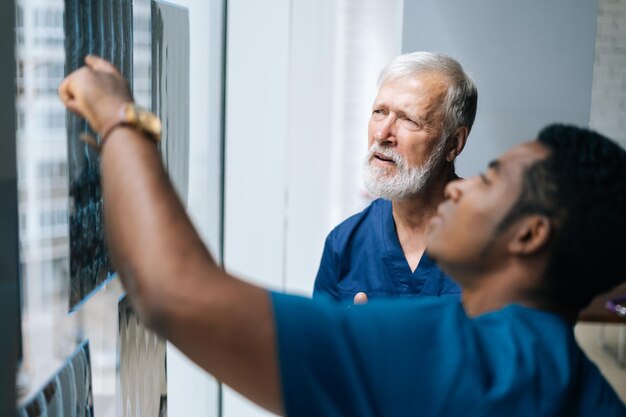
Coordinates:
<point>373,213</point>
<point>348,248</point>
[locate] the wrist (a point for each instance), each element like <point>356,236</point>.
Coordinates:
<point>129,115</point>
<point>113,119</point>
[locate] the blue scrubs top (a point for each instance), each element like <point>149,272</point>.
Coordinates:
<point>425,357</point>
<point>364,254</point>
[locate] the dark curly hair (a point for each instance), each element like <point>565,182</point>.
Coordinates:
<point>581,187</point>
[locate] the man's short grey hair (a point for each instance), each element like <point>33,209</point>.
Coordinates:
<point>462,98</point>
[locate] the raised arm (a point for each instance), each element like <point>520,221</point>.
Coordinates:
<point>223,324</point>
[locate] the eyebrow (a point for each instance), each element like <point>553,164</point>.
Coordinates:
<point>495,165</point>
<point>418,119</point>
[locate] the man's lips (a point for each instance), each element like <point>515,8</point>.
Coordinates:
<point>382,158</point>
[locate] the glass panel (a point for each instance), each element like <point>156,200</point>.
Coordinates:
<point>45,212</point>
<point>42,159</point>
<point>60,219</point>
<point>42,191</point>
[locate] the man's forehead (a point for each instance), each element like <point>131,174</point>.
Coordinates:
<point>427,90</point>
<point>520,156</point>
<point>418,82</point>
<point>416,77</point>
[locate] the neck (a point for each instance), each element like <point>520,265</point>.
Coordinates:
<point>493,283</point>
<point>487,298</point>
<point>412,215</point>
<point>496,290</point>
<point>411,218</point>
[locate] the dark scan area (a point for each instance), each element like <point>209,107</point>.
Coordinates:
<point>103,28</point>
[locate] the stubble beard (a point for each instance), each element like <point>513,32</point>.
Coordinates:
<point>407,181</point>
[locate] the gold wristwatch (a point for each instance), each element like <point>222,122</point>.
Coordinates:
<point>137,118</point>
<point>132,116</point>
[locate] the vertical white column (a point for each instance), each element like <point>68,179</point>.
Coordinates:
<point>310,121</point>
<point>256,150</point>
<point>256,139</point>
<point>192,391</point>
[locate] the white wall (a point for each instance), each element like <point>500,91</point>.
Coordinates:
<point>532,61</point>
<point>256,144</point>
<point>310,118</point>
<point>277,143</point>
<point>256,150</point>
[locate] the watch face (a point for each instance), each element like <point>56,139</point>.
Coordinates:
<point>151,124</point>
<point>143,120</point>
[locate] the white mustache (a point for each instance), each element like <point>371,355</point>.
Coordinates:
<point>386,152</point>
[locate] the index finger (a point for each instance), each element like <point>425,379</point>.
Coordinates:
<point>360,298</point>
<point>98,64</point>
<point>64,89</point>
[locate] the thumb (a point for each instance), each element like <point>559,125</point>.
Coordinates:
<point>360,298</point>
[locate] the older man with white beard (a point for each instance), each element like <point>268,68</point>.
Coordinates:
<point>419,124</point>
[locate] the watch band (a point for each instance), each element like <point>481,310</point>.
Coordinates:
<point>130,116</point>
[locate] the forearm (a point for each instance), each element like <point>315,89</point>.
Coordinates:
<point>150,238</point>
<point>223,324</point>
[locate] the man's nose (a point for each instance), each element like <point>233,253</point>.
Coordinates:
<point>385,130</point>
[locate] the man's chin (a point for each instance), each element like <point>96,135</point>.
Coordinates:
<point>380,165</point>
<point>381,172</point>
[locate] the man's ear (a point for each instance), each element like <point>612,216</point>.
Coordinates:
<point>532,235</point>
<point>457,143</point>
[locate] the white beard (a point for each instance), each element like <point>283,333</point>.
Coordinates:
<point>407,181</point>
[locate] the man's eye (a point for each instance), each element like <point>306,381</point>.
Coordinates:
<point>484,179</point>
<point>410,123</point>
<point>378,114</point>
